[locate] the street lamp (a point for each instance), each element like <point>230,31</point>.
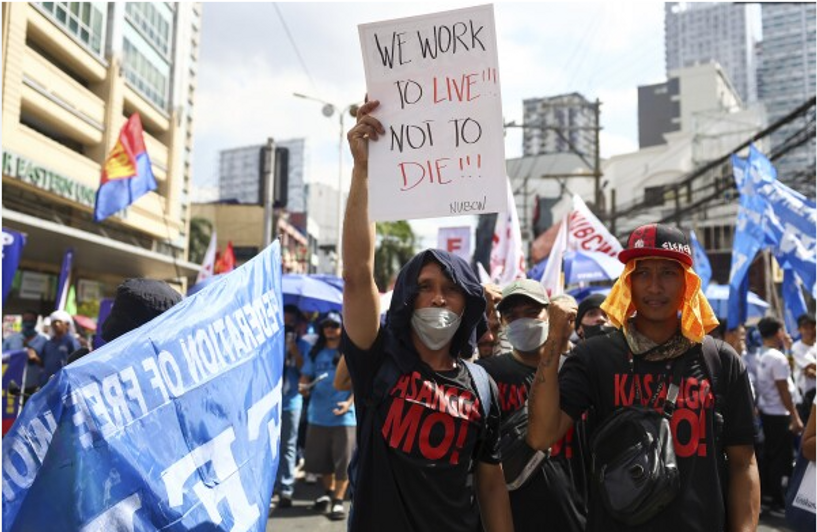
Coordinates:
<point>328,110</point>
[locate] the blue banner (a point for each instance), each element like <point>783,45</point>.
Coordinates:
<point>13,243</point>
<point>172,426</point>
<point>701,261</point>
<point>14,370</point>
<point>771,216</point>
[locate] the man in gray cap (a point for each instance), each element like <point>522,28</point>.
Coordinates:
<point>548,498</point>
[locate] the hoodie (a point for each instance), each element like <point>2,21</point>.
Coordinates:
<point>398,319</point>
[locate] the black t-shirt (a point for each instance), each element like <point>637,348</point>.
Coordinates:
<point>429,431</point>
<point>550,499</point>
<point>598,375</point>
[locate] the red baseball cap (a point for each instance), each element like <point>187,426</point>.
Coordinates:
<point>657,241</point>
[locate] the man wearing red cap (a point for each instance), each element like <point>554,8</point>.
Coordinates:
<point>661,318</point>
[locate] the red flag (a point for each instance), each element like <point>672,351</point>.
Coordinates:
<point>225,263</point>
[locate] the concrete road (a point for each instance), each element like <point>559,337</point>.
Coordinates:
<point>301,518</point>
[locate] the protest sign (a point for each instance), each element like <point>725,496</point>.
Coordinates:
<point>173,426</point>
<point>14,370</point>
<point>456,240</point>
<point>437,79</point>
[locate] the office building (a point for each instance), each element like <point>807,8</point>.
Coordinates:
<point>787,81</point>
<point>559,124</point>
<point>696,33</point>
<point>690,98</point>
<point>72,75</point>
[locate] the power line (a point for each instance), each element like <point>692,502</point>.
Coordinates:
<point>294,46</point>
<point>639,206</point>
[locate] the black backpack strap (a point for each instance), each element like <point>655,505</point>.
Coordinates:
<point>678,367</point>
<point>712,365</point>
<point>483,383</point>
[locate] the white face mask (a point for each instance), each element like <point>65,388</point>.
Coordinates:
<point>435,326</point>
<point>527,334</point>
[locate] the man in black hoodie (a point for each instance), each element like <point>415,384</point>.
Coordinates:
<point>428,431</point>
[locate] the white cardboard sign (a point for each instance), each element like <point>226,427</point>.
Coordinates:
<point>437,79</point>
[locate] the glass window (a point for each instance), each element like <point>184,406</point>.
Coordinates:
<point>153,24</point>
<point>145,78</point>
<point>83,20</point>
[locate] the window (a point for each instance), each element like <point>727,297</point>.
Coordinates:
<point>154,25</point>
<point>145,78</point>
<point>83,20</point>
<point>654,195</point>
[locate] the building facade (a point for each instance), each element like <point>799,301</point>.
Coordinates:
<point>703,121</point>
<point>235,207</point>
<point>72,75</point>
<point>699,32</point>
<point>559,124</point>
<point>786,81</point>
<point>242,173</point>
<point>692,99</point>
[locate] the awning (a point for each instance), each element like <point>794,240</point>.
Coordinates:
<point>46,242</point>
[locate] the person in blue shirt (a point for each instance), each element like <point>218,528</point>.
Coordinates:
<point>330,437</point>
<point>33,341</point>
<point>291,407</point>
<point>61,344</point>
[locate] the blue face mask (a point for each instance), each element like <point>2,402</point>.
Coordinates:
<point>29,328</point>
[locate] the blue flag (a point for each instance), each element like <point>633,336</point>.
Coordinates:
<point>13,243</point>
<point>771,216</point>
<point>794,304</point>
<point>701,261</point>
<point>64,283</point>
<point>748,241</point>
<point>172,426</point>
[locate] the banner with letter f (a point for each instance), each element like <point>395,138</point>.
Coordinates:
<point>172,426</point>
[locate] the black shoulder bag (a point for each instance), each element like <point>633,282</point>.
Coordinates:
<point>634,469</point>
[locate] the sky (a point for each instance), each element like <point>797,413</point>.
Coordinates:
<point>254,56</point>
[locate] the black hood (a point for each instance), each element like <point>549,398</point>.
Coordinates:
<point>398,319</point>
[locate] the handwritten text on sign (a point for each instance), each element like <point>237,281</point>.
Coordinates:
<point>437,79</point>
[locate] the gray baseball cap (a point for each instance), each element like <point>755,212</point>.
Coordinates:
<point>524,287</point>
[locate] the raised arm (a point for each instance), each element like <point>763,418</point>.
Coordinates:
<point>361,302</point>
<point>547,422</point>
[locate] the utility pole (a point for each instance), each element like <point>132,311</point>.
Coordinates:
<point>268,187</point>
<point>599,201</point>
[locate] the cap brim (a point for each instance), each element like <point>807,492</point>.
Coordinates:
<point>503,304</point>
<point>629,254</point>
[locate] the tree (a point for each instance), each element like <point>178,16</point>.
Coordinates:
<point>201,230</point>
<point>396,243</point>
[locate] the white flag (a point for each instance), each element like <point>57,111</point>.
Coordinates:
<point>587,233</point>
<point>484,277</point>
<point>208,265</point>
<point>581,230</point>
<point>552,277</point>
<point>507,257</point>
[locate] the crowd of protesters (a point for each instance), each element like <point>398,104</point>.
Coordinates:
<point>473,406</point>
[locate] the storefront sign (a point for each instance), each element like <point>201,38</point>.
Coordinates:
<point>29,172</point>
<point>35,285</point>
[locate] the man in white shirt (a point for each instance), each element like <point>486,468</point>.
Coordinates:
<point>804,353</point>
<point>776,394</point>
